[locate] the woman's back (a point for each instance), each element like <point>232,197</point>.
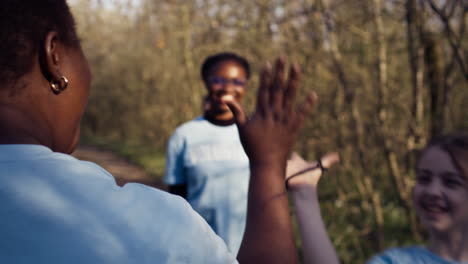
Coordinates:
<point>62,210</point>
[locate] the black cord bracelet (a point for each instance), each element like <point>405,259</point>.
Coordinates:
<point>318,166</point>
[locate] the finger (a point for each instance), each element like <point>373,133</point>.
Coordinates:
<point>277,86</point>
<point>291,88</point>
<point>263,95</point>
<point>306,107</point>
<point>295,164</point>
<point>330,159</point>
<point>295,156</point>
<point>236,108</point>
<point>290,167</point>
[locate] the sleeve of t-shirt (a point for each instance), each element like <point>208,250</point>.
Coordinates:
<point>174,172</point>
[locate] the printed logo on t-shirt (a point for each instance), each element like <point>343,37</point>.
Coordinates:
<point>215,152</point>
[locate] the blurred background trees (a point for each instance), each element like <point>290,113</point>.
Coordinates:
<point>390,74</point>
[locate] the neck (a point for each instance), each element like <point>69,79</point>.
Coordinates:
<point>452,245</point>
<point>220,119</point>
<point>16,127</point>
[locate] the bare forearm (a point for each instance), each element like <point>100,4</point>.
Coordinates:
<point>268,236</point>
<point>316,243</point>
<point>267,137</point>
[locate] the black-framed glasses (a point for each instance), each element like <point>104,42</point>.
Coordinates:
<point>223,81</point>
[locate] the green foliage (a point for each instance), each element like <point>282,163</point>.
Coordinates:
<point>149,158</point>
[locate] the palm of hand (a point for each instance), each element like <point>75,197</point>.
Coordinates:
<point>269,134</point>
<point>267,139</point>
<point>311,171</point>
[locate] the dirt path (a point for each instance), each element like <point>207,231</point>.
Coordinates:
<point>122,170</point>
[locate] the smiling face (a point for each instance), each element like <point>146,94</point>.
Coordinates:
<point>441,192</point>
<point>226,78</point>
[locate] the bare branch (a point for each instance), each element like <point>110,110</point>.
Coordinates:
<point>452,38</point>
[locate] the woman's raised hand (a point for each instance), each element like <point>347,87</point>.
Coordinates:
<point>270,132</point>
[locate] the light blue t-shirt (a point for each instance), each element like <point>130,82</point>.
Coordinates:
<point>57,209</point>
<point>409,255</point>
<point>211,161</point>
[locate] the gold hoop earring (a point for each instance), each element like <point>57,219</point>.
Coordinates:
<point>59,86</point>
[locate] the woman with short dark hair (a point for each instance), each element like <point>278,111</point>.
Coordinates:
<point>57,209</point>
<point>205,162</point>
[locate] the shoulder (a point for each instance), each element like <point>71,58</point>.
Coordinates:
<point>187,127</point>
<point>71,165</point>
<point>403,255</point>
<point>175,222</point>
<point>36,160</point>
<point>190,130</point>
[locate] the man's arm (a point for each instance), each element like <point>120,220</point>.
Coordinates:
<point>267,137</point>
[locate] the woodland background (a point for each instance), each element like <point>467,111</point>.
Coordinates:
<point>390,74</point>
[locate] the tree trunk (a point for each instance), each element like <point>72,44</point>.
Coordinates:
<point>435,77</point>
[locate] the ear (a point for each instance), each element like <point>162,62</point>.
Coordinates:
<point>49,57</point>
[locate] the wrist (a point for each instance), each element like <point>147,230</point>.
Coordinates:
<point>276,164</point>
